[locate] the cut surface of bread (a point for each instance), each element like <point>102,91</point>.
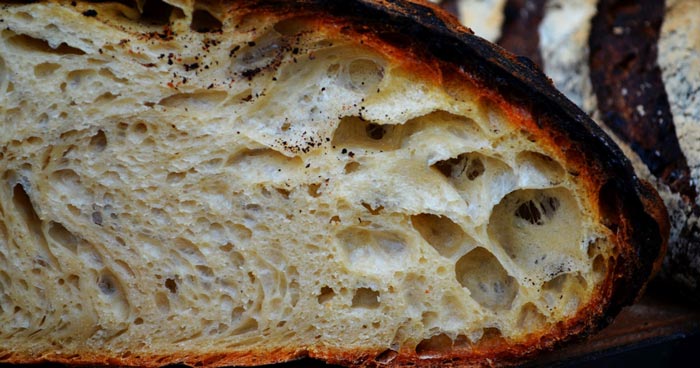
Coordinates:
<point>250,182</point>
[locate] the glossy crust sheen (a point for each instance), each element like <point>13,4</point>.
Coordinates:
<point>436,45</point>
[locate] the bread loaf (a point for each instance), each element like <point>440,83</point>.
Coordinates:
<point>249,182</point>
<point>634,68</point>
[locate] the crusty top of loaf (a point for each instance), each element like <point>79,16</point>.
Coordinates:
<point>458,111</point>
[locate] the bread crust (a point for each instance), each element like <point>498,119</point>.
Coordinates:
<point>519,32</point>
<point>432,44</point>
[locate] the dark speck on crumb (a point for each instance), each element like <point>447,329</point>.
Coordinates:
<point>192,66</point>
<point>90,13</point>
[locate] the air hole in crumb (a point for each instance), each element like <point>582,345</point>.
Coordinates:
<point>386,357</point>
<point>97,218</point>
<point>374,211</point>
<point>162,302</point>
<point>365,298</point>
<point>563,292</point>
<point>62,236</point>
<point>440,232</point>
<point>283,192</point>
<point>429,319</point>
<point>539,229</point>
<point>364,74</point>
<point>333,70</point>
<point>156,12</point>
<point>44,69</point>
<point>466,164</point>
<point>535,165</point>
<point>600,265</point>
<point>354,132</point>
<point>211,164</point>
<point>175,177</point>
<point>609,203</point>
<point>352,167</point>
<point>138,321</point>
<point>107,285</point>
<point>489,283</point>
<point>314,190</point>
<point>140,128</point>
<point>204,271</point>
<point>200,100</point>
<point>538,212</point>
<point>492,337</point>
<point>203,22</point>
<point>32,44</point>
<point>434,347</point>
<point>171,285</point>
<point>25,207</point>
<point>530,318</point>
<point>373,250</point>
<point>375,131</point>
<point>325,295</point>
<point>291,27</point>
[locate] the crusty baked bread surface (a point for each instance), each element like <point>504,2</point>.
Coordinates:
<point>248,182</point>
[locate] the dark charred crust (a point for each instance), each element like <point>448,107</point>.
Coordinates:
<point>629,88</point>
<point>519,33</point>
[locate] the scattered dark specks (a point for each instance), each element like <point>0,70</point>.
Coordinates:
<point>250,73</point>
<point>233,50</point>
<point>344,151</point>
<point>251,43</point>
<point>90,13</point>
<point>192,66</point>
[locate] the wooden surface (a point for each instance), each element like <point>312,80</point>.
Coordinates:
<point>658,318</point>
